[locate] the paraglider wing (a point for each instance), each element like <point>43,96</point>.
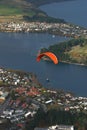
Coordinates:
<point>48,54</point>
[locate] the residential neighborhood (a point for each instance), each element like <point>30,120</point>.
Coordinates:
<point>21,96</point>
<point>63,29</point>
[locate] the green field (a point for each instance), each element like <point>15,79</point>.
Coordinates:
<point>7,10</point>
<point>23,10</point>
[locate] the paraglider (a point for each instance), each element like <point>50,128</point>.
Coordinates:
<point>50,55</point>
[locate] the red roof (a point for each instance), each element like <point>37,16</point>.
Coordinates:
<point>33,91</point>
<point>20,125</point>
<point>20,90</point>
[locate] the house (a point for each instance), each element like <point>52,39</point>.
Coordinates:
<point>5,94</point>
<point>57,127</point>
<point>49,101</point>
<point>61,127</point>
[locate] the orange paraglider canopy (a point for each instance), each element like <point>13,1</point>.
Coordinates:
<point>48,54</point>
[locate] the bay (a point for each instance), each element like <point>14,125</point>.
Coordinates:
<point>19,51</point>
<point>73,11</point>
<point>73,77</point>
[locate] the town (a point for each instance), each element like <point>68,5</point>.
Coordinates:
<point>62,29</point>
<point>21,95</point>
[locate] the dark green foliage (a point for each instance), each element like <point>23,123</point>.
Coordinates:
<point>37,18</point>
<point>60,49</point>
<point>37,120</point>
<point>30,125</point>
<point>12,94</point>
<point>54,116</point>
<point>60,117</point>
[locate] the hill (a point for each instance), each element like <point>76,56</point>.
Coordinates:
<point>17,9</point>
<point>72,51</point>
<point>21,10</point>
<point>79,53</point>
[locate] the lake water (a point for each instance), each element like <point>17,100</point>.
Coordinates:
<point>19,51</point>
<point>73,11</point>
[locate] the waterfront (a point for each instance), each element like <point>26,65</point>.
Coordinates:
<point>73,11</point>
<point>24,96</point>
<point>19,51</point>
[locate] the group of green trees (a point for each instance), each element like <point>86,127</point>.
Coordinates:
<point>39,18</point>
<point>57,117</point>
<point>60,49</point>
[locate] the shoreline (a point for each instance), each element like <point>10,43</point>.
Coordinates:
<point>49,2</point>
<point>66,62</point>
<point>59,29</point>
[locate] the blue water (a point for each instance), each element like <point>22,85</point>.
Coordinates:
<point>19,51</point>
<point>73,11</point>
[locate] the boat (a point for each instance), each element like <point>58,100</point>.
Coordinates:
<point>47,80</point>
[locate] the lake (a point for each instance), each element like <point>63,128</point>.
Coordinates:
<point>19,51</point>
<point>73,11</point>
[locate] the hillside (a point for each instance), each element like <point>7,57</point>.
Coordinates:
<point>78,54</point>
<point>17,9</point>
<point>21,10</point>
<point>72,51</point>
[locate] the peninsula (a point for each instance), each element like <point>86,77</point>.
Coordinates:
<point>25,16</point>
<point>73,51</point>
<point>23,10</point>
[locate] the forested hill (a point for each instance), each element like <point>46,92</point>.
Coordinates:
<point>72,51</point>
